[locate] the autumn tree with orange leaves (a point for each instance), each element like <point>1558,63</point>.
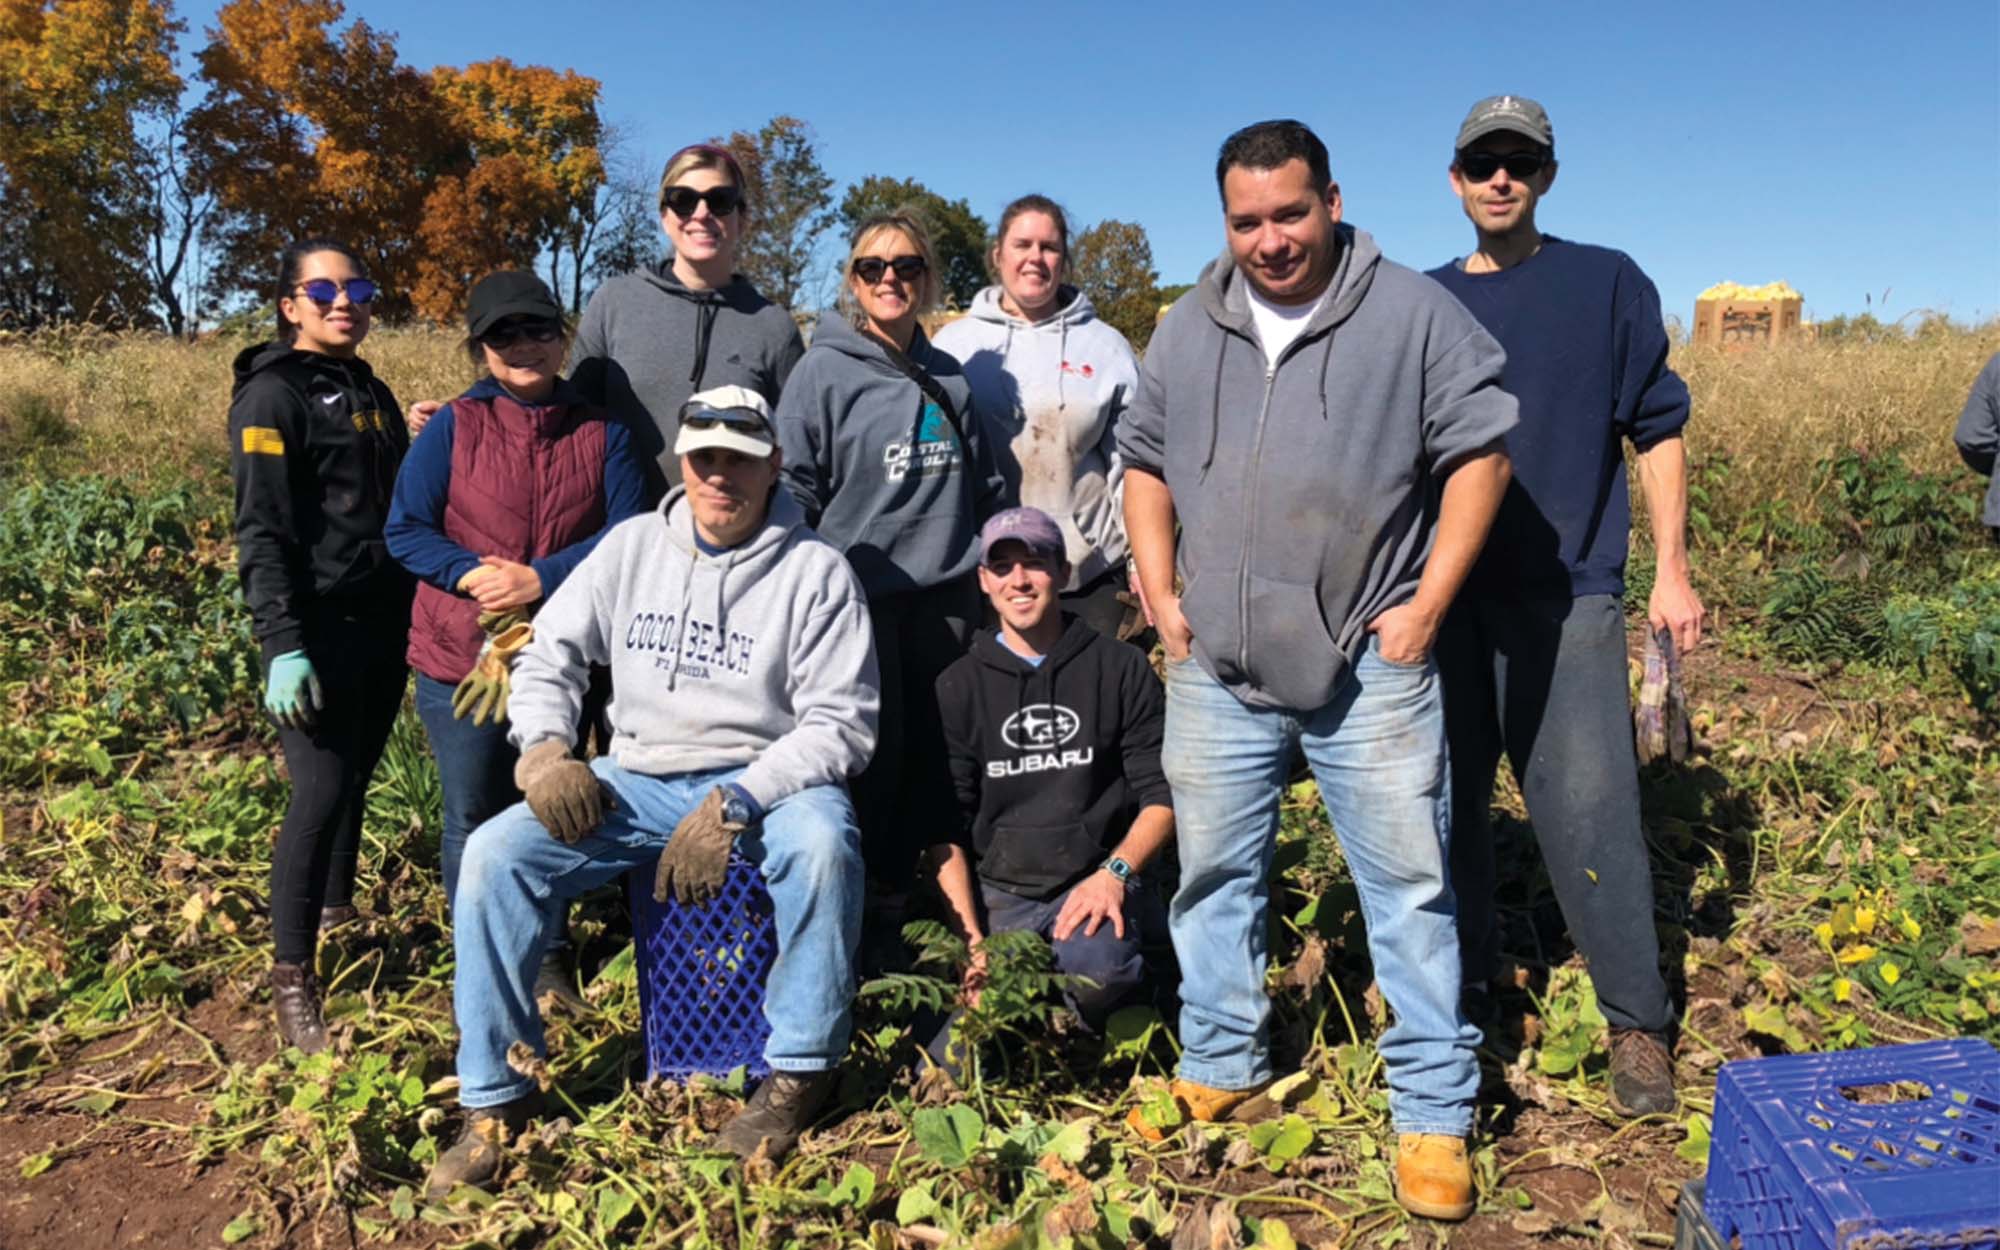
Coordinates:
<point>434,178</point>
<point>80,82</point>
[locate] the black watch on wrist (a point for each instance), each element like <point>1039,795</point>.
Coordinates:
<point>1118,868</point>
<point>734,809</point>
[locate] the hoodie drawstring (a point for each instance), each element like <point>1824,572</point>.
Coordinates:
<point>1325,357</point>
<point>705,322</point>
<point>1215,404</point>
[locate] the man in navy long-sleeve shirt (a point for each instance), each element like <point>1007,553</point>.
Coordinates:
<point>1533,652</point>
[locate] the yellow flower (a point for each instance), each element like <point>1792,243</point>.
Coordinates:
<point>1864,920</point>
<point>1911,929</point>
<point>1843,989</point>
<point>1891,973</point>
<point>1824,932</point>
<point>1857,954</point>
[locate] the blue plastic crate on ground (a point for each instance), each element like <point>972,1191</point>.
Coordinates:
<point>1910,1162</point>
<point>1692,1231</point>
<point>701,975</point>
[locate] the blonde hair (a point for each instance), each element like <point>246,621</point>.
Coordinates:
<point>902,222</point>
<point>703,156</point>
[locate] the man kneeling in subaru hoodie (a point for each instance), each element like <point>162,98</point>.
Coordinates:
<point>1053,731</point>
<point>746,695</point>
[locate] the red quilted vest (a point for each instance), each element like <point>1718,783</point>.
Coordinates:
<point>526,482</point>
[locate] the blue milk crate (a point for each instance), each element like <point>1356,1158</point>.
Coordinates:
<point>701,975</point>
<point>1795,1164</point>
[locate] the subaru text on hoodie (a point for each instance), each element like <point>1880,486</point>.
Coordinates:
<point>878,466</point>
<point>759,656</point>
<point>314,443</point>
<point>1051,763</point>
<point>1307,489</point>
<point>647,341</point>
<point>1051,393</point>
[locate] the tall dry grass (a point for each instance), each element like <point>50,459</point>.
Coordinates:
<point>147,407</point>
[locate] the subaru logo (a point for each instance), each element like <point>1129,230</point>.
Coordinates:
<point>1039,727</point>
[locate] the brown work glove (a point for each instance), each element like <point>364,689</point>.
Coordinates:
<point>561,790</point>
<point>483,692</point>
<point>697,855</point>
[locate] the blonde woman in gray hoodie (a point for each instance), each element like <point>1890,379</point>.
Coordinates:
<point>1051,381</point>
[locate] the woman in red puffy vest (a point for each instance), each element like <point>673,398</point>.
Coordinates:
<point>506,490</point>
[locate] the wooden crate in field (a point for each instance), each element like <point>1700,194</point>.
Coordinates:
<point>1740,323</point>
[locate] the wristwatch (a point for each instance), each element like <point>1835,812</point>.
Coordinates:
<point>1119,869</point>
<point>734,809</point>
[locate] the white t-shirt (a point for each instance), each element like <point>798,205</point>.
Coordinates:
<point>1278,324</point>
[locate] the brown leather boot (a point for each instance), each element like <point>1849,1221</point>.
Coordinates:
<point>1642,1074</point>
<point>295,995</point>
<point>1433,1176</point>
<point>783,1107</point>
<point>336,915</point>
<point>475,1158</point>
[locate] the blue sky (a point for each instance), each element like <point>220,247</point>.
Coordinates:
<point>1852,150</point>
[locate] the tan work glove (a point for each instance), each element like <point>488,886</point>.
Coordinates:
<point>697,855</point>
<point>561,790</point>
<point>483,692</point>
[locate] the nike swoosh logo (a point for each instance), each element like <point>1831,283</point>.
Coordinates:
<point>329,400</point>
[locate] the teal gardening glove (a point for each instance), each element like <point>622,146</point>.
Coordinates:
<point>291,692</point>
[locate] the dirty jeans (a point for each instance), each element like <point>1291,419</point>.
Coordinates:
<point>517,879</point>
<point>1545,681</point>
<point>1378,753</point>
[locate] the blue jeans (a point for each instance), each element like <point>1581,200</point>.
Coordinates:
<point>517,879</point>
<point>1544,681</point>
<point>475,771</point>
<point>1378,752</point>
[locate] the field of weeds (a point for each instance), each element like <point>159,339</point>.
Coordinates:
<point>1827,872</point>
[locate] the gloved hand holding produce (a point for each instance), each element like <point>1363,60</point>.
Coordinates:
<point>483,691</point>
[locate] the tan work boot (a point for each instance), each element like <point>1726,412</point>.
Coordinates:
<point>1433,1176</point>
<point>1205,1104</point>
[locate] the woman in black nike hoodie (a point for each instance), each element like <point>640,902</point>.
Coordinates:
<point>315,441</point>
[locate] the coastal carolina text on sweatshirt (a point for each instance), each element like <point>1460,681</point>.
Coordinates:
<point>1051,763</point>
<point>877,465</point>
<point>759,656</point>
<point>314,445</point>
<point>647,341</point>
<point>1587,360</point>
<point>1051,393</point>
<point>1308,489</point>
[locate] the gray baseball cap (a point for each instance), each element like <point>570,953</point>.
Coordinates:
<point>1515,113</point>
<point>1031,527</point>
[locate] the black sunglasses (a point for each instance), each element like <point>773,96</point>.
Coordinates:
<point>508,333</point>
<point>721,201</point>
<point>1479,166</point>
<point>871,268</point>
<point>740,419</point>
<point>323,291</point>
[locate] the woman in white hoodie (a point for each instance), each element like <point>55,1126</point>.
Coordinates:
<point>1050,381</point>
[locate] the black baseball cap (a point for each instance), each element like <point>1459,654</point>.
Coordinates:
<point>509,293</point>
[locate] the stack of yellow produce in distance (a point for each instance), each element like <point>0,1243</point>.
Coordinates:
<point>1736,290</point>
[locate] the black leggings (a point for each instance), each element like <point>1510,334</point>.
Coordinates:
<point>359,661</point>
<point>903,800</point>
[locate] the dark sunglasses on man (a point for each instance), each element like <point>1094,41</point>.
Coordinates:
<point>323,291</point>
<point>508,333</point>
<point>1480,166</point>
<point>871,268</point>
<point>742,420</point>
<point>721,201</point>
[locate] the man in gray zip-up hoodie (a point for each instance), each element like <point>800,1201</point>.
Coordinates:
<point>1326,426</point>
<point>746,695</point>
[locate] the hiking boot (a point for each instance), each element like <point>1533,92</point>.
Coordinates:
<point>475,1158</point>
<point>553,988</point>
<point>1433,1176</point>
<point>783,1106</point>
<point>1642,1074</point>
<point>338,914</point>
<point>1205,1104</point>
<point>295,995</point>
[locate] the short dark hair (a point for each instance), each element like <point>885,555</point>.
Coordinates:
<point>1267,145</point>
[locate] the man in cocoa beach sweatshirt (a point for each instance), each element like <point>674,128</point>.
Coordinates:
<point>746,695</point>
